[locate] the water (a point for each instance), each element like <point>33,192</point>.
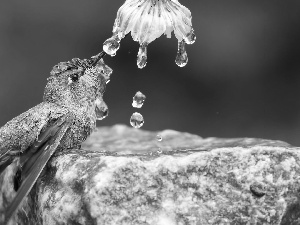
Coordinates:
<point>106,70</point>
<point>137,120</point>
<point>138,100</point>
<point>142,56</point>
<point>181,58</point>
<point>191,38</point>
<point>101,109</point>
<point>159,151</point>
<point>111,45</point>
<point>158,137</point>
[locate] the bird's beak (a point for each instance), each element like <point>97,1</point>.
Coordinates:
<point>95,59</point>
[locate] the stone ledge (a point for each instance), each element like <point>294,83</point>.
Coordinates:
<point>125,176</point>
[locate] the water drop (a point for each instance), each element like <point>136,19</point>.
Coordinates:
<point>101,109</point>
<point>159,151</point>
<point>111,45</point>
<point>158,137</point>
<point>191,38</point>
<point>181,58</point>
<point>136,120</point>
<point>138,100</point>
<point>142,56</point>
<point>106,70</point>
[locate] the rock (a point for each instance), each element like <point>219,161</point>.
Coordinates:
<point>125,176</point>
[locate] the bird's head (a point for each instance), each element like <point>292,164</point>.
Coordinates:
<point>78,83</point>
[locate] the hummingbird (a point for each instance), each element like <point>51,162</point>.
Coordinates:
<point>72,102</point>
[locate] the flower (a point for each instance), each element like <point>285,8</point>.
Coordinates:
<point>148,20</point>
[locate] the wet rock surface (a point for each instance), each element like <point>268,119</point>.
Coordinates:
<point>124,175</point>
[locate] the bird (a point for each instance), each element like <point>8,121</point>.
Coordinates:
<point>72,102</point>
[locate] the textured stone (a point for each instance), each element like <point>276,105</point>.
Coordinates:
<point>126,176</point>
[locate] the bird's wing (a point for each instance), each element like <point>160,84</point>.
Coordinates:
<point>20,132</point>
<point>35,159</point>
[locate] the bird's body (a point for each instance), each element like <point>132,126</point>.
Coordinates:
<point>24,129</point>
<point>67,116</point>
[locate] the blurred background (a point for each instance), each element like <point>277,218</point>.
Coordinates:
<point>242,79</point>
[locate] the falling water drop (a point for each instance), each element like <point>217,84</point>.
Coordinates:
<point>138,100</point>
<point>111,45</point>
<point>190,38</point>
<point>158,137</point>
<point>101,109</point>
<point>142,56</point>
<point>136,120</point>
<point>181,58</point>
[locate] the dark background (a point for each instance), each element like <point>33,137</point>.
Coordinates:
<point>242,79</point>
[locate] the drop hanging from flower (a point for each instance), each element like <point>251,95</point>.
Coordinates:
<point>142,56</point>
<point>190,38</point>
<point>148,20</point>
<point>111,45</point>
<point>181,58</point>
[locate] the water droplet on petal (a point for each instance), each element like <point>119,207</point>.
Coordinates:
<point>136,120</point>
<point>111,45</point>
<point>142,56</point>
<point>101,109</point>
<point>138,100</point>
<point>158,137</point>
<point>191,38</point>
<point>181,58</point>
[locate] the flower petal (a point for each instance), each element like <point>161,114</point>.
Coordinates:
<point>149,19</point>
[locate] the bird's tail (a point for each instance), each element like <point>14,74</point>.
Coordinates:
<point>34,160</point>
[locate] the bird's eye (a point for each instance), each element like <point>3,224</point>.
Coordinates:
<point>74,77</point>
